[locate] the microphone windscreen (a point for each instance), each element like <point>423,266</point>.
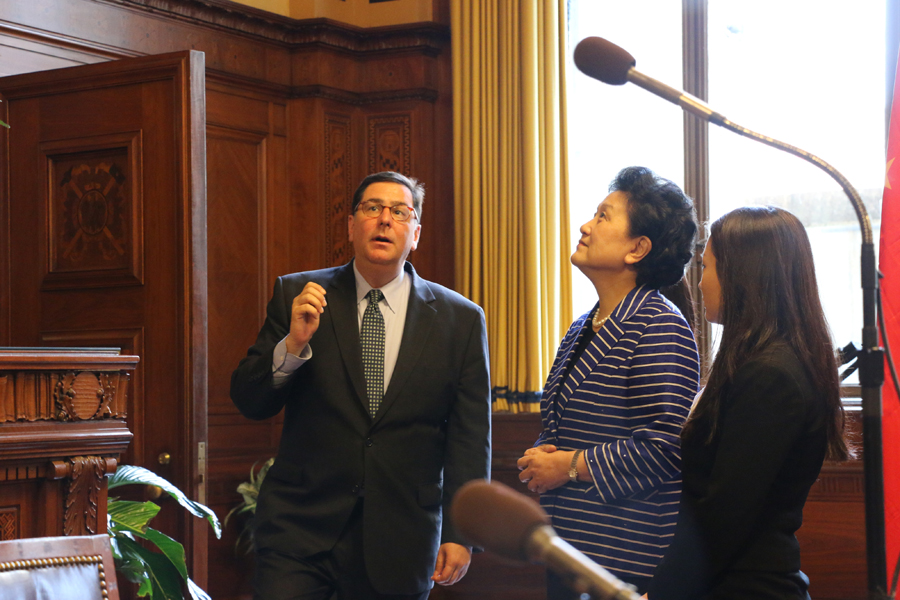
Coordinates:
<point>496,517</point>
<point>603,60</point>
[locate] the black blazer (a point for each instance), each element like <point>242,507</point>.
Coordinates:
<point>430,435</point>
<point>744,493</point>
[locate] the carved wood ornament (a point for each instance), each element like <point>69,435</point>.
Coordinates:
<point>62,428</point>
<point>390,144</point>
<point>86,475</point>
<point>86,395</point>
<point>338,187</point>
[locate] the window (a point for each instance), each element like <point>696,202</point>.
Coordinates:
<point>809,73</point>
<point>611,127</point>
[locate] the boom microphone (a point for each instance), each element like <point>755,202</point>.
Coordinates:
<point>603,60</point>
<point>499,519</point>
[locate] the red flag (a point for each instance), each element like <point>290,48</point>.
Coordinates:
<point>889,264</point>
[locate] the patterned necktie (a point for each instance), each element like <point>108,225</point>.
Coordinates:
<point>371,338</point>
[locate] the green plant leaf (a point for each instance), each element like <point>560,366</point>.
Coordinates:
<point>257,483</point>
<point>170,548</point>
<point>165,581</point>
<point>129,474</point>
<point>129,563</point>
<point>196,592</point>
<point>129,515</point>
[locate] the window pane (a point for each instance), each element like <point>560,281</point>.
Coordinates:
<point>612,127</point>
<point>809,73</point>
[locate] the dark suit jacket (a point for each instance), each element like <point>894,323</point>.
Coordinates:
<point>744,493</point>
<point>430,435</point>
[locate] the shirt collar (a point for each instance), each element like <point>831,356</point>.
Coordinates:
<point>391,290</point>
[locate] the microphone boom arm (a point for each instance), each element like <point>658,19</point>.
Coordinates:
<point>699,108</point>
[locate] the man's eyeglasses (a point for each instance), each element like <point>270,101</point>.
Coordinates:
<point>399,212</point>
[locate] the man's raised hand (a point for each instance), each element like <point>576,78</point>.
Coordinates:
<point>305,313</point>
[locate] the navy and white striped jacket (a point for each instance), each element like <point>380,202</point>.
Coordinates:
<point>624,401</point>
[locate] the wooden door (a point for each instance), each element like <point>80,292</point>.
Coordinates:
<point>103,240</point>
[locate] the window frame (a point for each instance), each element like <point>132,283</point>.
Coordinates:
<point>695,54</point>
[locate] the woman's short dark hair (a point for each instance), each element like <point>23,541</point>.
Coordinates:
<point>660,211</point>
<point>411,183</point>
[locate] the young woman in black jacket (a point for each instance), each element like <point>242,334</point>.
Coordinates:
<point>769,416</point>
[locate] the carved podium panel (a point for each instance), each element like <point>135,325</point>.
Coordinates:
<point>62,429</point>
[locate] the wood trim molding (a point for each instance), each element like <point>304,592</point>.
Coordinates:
<point>347,97</point>
<point>253,22</point>
<point>23,442</point>
<point>277,67</point>
<point>839,482</point>
<point>79,46</point>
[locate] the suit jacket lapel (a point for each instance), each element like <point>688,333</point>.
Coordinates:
<point>551,398</point>
<point>420,316</point>
<point>341,295</point>
<point>604,340</point>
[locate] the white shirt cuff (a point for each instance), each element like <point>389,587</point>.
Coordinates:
<point>284,363</point>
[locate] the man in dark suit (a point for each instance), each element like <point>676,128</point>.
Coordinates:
<point>383,377</point>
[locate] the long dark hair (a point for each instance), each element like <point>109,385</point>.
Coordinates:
<point>769,295</point>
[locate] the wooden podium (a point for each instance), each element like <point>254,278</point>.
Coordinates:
<point>62,429</point>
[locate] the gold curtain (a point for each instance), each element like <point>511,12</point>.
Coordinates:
<point>511,185</point>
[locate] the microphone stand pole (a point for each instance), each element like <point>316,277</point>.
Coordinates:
<point>871,371</point>
<point>871,360</point>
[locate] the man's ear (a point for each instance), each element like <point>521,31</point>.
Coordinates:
<point>415,242</point>
<point>641,248</point>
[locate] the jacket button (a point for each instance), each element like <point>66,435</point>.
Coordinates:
<point>369,442</point>
<point>355,489</point>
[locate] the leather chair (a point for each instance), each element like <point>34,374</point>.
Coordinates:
<point>58,568</point>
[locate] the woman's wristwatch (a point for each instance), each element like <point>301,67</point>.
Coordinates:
<point>573,468</point>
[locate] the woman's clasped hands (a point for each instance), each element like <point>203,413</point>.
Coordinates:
<point>544,468</point>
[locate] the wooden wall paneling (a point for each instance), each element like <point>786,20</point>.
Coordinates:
<point>237,261</point>
<point>20,515</point>
<point>341,178</point>
<point>23,53</point>
<point>442,256</point>
<point>279,234</point>
<point>247,177</point>
<point>95,110</point>
<point>833,536</point>
<point>25,269</point>
<point>315,180</point>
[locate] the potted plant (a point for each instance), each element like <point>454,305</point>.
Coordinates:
<point>249,491</point>
<point>160,575</point>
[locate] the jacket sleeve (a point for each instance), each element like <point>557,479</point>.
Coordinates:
<point>252,389</point>
<point>662,381</point>
<point>761,416</point>
<point>468,454</point>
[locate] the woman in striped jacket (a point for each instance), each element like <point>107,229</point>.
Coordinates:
<point>607,464</point>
